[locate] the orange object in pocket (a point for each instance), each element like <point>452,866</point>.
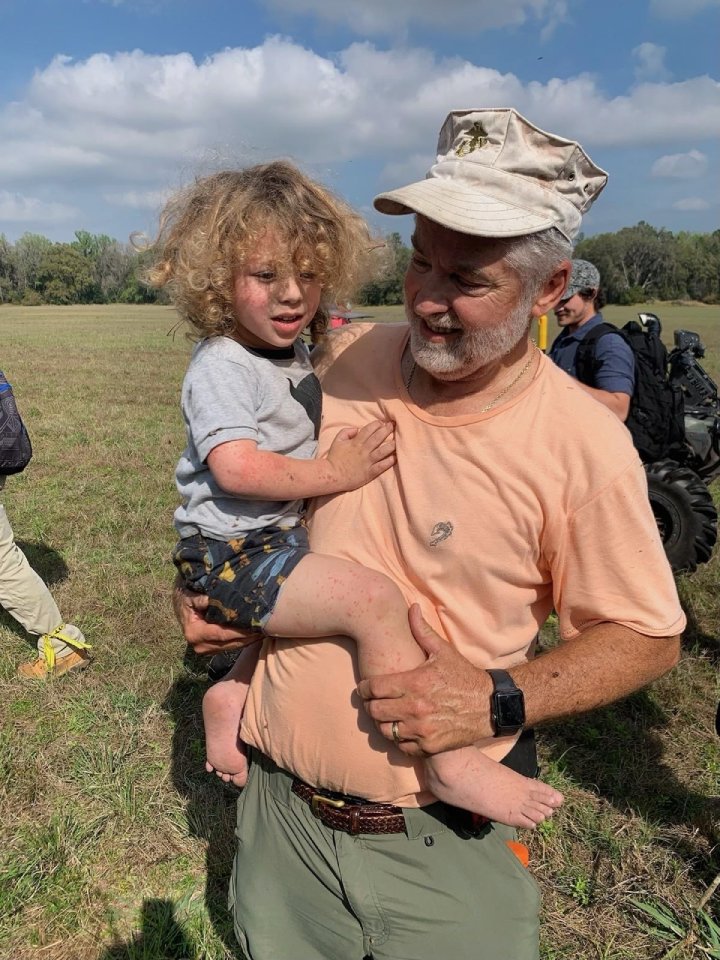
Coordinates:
<point>520,851</point>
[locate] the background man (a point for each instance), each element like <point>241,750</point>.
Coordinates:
<point>611,379</point>
<point>514,492</point>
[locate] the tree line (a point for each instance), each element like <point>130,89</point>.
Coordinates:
<point>93,268</point>
<point>636,264</point>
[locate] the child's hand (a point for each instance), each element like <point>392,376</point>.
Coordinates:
<point>360,455</point>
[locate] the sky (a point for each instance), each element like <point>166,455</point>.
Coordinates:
<point>108,106</point>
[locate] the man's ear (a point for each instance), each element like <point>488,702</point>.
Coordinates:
<point>552,290</point>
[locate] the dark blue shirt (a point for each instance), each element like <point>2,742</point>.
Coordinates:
<point>616,372</point>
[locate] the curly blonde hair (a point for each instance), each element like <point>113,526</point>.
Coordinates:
<point>208,228</point>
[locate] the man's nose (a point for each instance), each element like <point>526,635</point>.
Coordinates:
<point>431,296</point>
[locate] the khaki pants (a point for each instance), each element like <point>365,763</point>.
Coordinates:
<point>301,891</point>
<point>24,595</point>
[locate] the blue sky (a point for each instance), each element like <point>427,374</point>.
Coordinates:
<point>106,106</point>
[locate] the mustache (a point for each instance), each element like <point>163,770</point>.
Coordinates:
<point>448,321</point>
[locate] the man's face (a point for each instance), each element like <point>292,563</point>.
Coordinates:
<point>464,304</point>
<point>574,311</point>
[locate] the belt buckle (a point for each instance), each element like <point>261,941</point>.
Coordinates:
<point>318,800</point>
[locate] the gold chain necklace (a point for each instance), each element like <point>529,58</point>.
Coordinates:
<point>506,389</point>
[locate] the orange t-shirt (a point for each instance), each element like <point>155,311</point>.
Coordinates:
<point>488,521</point>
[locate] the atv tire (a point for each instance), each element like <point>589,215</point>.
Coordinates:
<point>684,512</point>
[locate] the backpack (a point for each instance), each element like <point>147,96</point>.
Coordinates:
<point>15,447</point>
<point>656,419</point>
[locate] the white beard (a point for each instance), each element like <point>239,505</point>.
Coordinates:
<point>468,351</point>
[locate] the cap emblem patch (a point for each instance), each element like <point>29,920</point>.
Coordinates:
<point>473,139</point>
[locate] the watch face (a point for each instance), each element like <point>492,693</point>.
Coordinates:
<point>510,709</point>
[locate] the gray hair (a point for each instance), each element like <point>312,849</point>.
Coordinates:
<point>536,256</point>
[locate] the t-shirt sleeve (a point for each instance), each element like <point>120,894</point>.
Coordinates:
<point>611,566</point>
<point>616,372</point>
<point>219,403</point>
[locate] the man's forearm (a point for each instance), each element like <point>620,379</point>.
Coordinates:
<point>445,703</point>
<point>605,663</point>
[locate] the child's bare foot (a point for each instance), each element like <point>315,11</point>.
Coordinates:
<point>469,779</point>
<point>222,711</point>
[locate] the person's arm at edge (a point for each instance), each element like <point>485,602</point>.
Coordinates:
<point>445,703</point>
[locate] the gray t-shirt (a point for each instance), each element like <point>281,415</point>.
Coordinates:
<point>231,392</point>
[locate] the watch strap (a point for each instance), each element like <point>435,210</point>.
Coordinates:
<point>502,681</point>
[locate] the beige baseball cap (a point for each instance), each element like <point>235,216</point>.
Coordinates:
<point>498,175</point>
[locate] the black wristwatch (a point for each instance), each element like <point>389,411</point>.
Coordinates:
<point>507,704</point>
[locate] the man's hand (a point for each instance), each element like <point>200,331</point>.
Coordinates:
<point>202,636</point>
<point>441,705</point>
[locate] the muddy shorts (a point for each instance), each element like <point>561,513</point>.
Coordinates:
<point>242,577</point>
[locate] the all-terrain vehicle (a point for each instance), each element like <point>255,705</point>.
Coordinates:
<point>683,506</point>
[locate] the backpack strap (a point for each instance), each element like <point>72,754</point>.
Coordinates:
<point>586,363</point>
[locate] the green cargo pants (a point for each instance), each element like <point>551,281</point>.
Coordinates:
<point>302,891</point>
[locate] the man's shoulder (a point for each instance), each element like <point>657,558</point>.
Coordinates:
<point>581,437</point>
<point>355,343</point>
<point>575,413</point>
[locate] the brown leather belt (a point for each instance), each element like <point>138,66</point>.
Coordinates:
<point>348,816</point>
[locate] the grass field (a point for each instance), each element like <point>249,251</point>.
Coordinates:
<point>115,845</point>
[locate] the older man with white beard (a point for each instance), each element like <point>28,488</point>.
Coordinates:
<point>514,492</point>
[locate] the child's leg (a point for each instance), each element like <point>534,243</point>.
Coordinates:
<point>223,706</point>
<point>324,596</point>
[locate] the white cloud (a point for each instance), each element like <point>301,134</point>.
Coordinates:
<point>650,62</point>
<point>691,203</point>
<point>16,208</point>
<point>144,121</point>
<point>130,126</point>
<point>383,17</point>
<point>680,166</point>
<point>677,9</point>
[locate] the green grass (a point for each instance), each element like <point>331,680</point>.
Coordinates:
<point>115,845</point>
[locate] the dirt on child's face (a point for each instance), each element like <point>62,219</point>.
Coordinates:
<point>273,301</point>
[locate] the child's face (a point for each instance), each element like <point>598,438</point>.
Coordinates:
<point>272,304</point>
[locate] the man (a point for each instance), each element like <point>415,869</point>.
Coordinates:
<point>611,378</point>
<point>514,492</point>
